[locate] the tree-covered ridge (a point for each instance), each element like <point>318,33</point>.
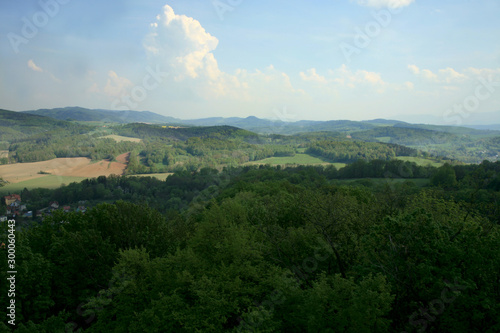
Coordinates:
<point>59,143</point>
<point>16,125</point>
<point>265,249</point>
<point>34,138</point>
<point>406,135</point>
<point>144,131</point>
<point>350,151</point>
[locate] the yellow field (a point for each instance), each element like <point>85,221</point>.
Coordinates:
<point>119,138</point>
<point>298,159</point>
<point>70,167</point>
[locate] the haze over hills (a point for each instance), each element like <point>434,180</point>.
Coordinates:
<point>112,116</point>
<point>479,120</point>
<point>453,142</point>
<point>251,123</point>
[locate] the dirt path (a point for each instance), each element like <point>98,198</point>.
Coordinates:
<point>123,158</point>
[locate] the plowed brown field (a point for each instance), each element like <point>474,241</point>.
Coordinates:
<point>77,166</point>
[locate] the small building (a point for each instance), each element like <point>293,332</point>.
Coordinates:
<point>81,209</point>
<point>66,209</point>
<point>9,199</point>
<point>28,214</point>
<point>54,205</point>
<point>15,204</point>
<point>3,218</point>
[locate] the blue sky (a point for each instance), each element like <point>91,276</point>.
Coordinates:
<point>288,60</point>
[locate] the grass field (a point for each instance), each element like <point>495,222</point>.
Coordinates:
<point>119,138</point>
<point>298,159</point>
<point>420,161</point>
<point>160,176</point>
<point>48,181</point>
<point>384,139</point>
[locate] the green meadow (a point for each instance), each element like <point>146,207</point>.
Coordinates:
<point>48,181</point>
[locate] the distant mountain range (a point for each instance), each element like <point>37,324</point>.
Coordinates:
<point>111,116</point>
<point>254,124</point>
<point>466,144</point>
<point>479,120</point>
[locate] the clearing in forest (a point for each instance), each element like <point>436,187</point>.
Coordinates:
<point>119,138</point>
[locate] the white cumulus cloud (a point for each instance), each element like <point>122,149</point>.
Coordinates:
<point>183,43</point>
<point>446,75</point>
<point>311,75</point>
<point>182,47</point>
<point>116,85</point>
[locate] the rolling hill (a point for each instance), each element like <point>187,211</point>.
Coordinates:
<point>19,125</point>
<point>110,116</point>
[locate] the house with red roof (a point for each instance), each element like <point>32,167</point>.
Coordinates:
<point>12,198</point>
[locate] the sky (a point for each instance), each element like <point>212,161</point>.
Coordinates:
<point>288,60</point>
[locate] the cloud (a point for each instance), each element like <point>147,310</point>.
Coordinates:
<point>344,76</point>
<point>414,69</point>
<point>311,75</point>
<point>183,43</point>
<point>115,86</point>
<point>33,66</point>
<point>183,48</point>
<point>483,72</point>
<point>450,75</point>
<point>385,3</point>
<point>446,75</point>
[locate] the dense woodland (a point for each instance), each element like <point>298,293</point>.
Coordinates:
<point>350,151</point>
<point>266,249</point>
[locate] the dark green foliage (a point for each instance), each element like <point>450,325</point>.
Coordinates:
<point>267,250</point>
<point>350,151</point>
<point>406,135</point>
<point>445,176</point>
<point>18,125</point>
<point>50,145</point>
<point>144,131</point>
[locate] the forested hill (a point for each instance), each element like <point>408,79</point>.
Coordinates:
<point>449,142</point>
<point>18,125</point>
<point>144,131</point>
<point>110,116</point>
